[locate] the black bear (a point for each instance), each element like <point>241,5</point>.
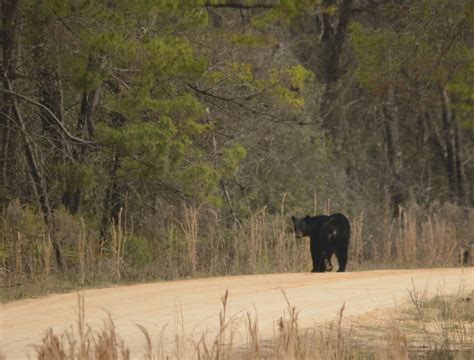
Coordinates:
<point>328,235</point>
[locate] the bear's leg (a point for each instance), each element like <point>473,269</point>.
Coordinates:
<point>342,259</point>
<point>325,262</point>
<point>328,263</point>
<point>318,264</point>
<point>322,264</point>
<point>316,256</point>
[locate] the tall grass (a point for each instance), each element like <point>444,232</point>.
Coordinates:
<point>197,241</point>
<point>190,227</point>
<point>289,341</point>
<point>118,240</point>
<point>82,342</point>
<point>444,321</point>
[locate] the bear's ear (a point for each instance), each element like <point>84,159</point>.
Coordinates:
<point>307,217</point>
<point>293,218</point>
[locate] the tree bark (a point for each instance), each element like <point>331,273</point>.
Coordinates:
<point>333,34</point>
<point>391,126</point>
<point>90,99</point>
<point>333,29</point>
<point>39,183</point>
<point>9,61</point>
<point>113,201</point>
<point>50,92</point>
<point>462,189</point>
<point>453,162</point>
<point>72,197</point>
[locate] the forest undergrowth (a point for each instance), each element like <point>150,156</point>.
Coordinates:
<point>199,243</point>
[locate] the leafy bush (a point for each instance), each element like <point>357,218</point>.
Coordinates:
<point>138,251</point>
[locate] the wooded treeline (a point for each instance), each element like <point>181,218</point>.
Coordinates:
<point>153,118</point>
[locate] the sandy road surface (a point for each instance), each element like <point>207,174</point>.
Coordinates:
<point>316,296</point>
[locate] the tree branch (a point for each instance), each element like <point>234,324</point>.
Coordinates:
<point>369,7</point>
<point>50,113</point>
<point>267,116</point>
<point>242,4</point>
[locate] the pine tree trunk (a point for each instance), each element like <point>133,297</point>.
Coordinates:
<point>332,40</point>
<point>113,201</point>
<point>454,165</point>
<point>391,124</point>
<point>9,60</point>
<point>72,197</point>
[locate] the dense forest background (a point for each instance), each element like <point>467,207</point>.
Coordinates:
<point>156,139</point>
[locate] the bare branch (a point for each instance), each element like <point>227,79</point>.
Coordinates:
<point>267,116</point>
<point>242,4</point>
<point>50,113</point>
<point>369,7</point>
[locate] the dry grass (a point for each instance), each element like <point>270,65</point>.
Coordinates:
<point>82,342</point>
<point>200,243</point>
<point>288,342</point>
<point>445,322</point>
<point>425,327</point>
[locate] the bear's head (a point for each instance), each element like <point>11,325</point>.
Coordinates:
<point>301,226</point>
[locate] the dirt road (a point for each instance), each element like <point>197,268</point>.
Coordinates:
<point>194,305</point>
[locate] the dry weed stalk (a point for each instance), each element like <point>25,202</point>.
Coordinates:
<point>357,241</point>
<point>387,237</point>
<point>253,336</point>
<point>397,348</point>
<point>256,238</point>
<point>417,299</point>
<point>18,273</point>
<point>81,251</point>
<point>118,244</point>
<point>223,345</point>
<point>409,238</point>
<point>191,229</point>
<point>283,247</point>
<point>48,248</point>
<point>104,344</point>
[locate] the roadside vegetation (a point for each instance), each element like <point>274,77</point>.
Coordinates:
<point>165,139</point>
<point>199,247</point>
<point>439,327</point>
